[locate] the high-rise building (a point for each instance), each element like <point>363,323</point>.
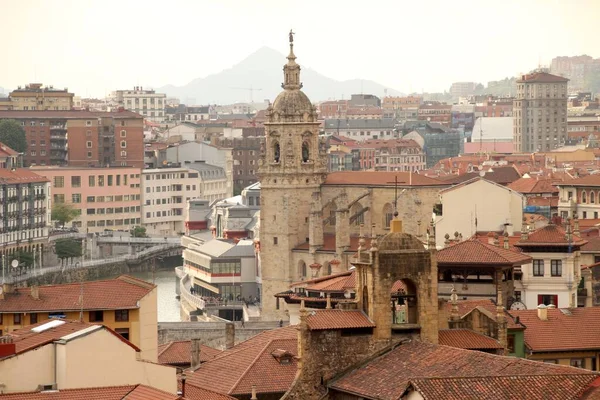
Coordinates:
<point>37,97</point>
<point>147,102</point>
<point>540,112</point>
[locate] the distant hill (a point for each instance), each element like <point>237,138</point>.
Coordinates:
<point>264,70</point>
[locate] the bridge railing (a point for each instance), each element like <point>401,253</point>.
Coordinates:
<point>189,297</point>
<point>150,240</point>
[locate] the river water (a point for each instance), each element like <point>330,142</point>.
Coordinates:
<point>167,303</point>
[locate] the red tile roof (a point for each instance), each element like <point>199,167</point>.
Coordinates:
<point>65,114</point>
<point>380,178</point>
<point>590,180</point>
<point>467,339</point>
<point>388,376</point>
<point>483,237</point>
<point>501,175</point>
<point>7,151</point>
<point>196,393</point>
<point>565,330</point>
<point>467,306</point>
<point>543,201</point>
<point>180,352</point>
<point>549,235</point>
<point>533,185</point>
<point>475,252</point>
<point>129,392</point>
<point>321,320</point>
<point>123,292</point>
<point>20,175</point>
<point>250,363</point>
<point>564,387</point>
<point>26,339</point>
<point>542,77</point>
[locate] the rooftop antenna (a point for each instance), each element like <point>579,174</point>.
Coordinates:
<point>480,134</point>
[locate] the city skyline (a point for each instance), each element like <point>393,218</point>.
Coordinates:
<point>89,49</point>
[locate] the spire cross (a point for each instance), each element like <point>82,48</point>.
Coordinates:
<point>396,193</point>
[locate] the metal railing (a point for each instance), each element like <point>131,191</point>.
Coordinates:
<point>121,239</point>
<point>189,297</point>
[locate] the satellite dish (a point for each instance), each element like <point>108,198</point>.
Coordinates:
<point>14,263</point>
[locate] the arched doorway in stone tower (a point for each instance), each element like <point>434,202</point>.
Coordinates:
<point>404,302</point>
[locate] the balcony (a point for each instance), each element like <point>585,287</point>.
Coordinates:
<point>58,127</point>
<point>58,137</point>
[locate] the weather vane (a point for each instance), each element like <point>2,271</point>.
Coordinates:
<point>292,36</point>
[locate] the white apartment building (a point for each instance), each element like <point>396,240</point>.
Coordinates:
<point>146,102</point>
<point>165,192</point>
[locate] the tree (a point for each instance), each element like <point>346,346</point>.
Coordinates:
<point>66,249</point>
<point>12,134</point>
<point>64,213</point>
<point>138,231</point>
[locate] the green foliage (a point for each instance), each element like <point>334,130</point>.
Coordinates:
<point>592,82</point>
<point>64,213</point>
<point>138,232</point>
<point>25,258</point>
<point>68,248</point>
<point>12,134</point>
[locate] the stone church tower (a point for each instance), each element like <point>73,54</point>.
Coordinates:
<point>291,170</point>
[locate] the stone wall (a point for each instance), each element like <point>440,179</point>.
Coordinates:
<point>211,334</point>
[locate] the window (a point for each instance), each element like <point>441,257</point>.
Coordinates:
<point>33,318</point>
<point>577,362</point>
<point>305,152</point>
<point>88,144</point>
<point>101,180</point>
<point>75,181</point>
<point>59,181</point>
<point>592,197</point>
<point>96,316</point>
<point>88,123</point>
<point>59,198</point>
<point>584,197</point>
<point>90,199</point>
<point>76,198</point>
<point>123,133</point>
<point>123,332</point>
<point>123,153</point>
<point>91,181</point>
<point>548,299</point>
<point>89,154</point>
<point>33,153</point>
<point>121,315</point>
<point>275,240</point>
<point>276,152</point>
<point>123,144</point>
<point>511,343</point>
<point>388,215</point>
<point>584,215</point>
<point>538,267</point>
<point>17,319</point>
<point>110,180</point>
<point>556,267</point>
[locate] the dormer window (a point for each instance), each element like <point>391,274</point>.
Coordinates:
<point>284,357</point>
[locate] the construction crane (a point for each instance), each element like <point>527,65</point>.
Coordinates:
<point>250,89</point>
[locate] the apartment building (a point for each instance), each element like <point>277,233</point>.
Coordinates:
<point>462,89</point>
<point>361,129</point>
<point>146,102</point>
<point>24,212</point>
<point>125,304</point>
<point>436,112</point>
<point>401,107</point>
<point>165,192</point>
<point>540,112</point>
<point>108,198</point>
<point>215,183</point>
<point>333,109</point>
<point>37,97</point>
<point>245,152</point>
<point>81,138</point>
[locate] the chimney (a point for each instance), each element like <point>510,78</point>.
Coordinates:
<point>490,238</point>
<point>195,353</point>
<point>7,347</point>
<point>524,232</point>
<point>447,241</point>
<point>253,393</point>
<point>576,225</point>
<point>496,240</point>
<point>328,306</point>
<point>229,335</point>
<point>7,288</point>
<point>35,292</point>
<point>183,379</point>
<point>542,312</point>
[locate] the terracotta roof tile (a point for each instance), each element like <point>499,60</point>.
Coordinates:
<point>388,376</point>
<point>20,175</point>
<point>549,235</point>
<point>250,363</point>
<point>196,393</point>
<point>321,279</point>
<point>533,185</point>
<point>541,77</point>
<point>380,178</point>
<point>179,352</point>
<point>467,339</point>
<point>477,253</point>
<point>7,151</point>
<point>123,292</point>
<point>501,175</point>
<point>26,339</point>
<point>483,237</point>
<point>467,306</point>
<point>564,387</point>
<point>590,180</point>
<point>129,392</point>
<point>320,320</point>
<point>565,329</point>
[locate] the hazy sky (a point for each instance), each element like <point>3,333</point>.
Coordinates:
<point>94,47</point>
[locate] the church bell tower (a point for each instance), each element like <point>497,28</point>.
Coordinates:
<point>291,170</point>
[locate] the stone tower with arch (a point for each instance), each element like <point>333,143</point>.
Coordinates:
<point>292,169</point>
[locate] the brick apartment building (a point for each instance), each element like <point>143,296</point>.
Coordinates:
<point>81,138</point>
<point>36,96</point>
<point>246,153</point>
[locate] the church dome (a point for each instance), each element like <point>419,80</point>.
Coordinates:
<point>292,102</point>
<point>400,241</point>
